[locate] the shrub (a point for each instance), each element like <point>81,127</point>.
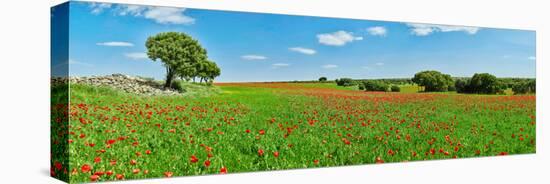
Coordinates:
<point>524,87</point>
<point>485,83</point>
<point>461,86</point>
<point>375,85</point>
<point>361,86</point>
<point>178,85</point>
<point>345,82</point>
<point>433,80</point>
<point>322,79</point>
<point>395,88</point>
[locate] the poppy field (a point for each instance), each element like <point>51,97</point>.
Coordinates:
<point>273,126</point>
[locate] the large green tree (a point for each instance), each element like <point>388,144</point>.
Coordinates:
<point>433,80</point>
<point>176,51</point>
<point>485,83</point>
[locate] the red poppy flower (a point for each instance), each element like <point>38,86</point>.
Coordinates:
<point>58,166</point>
<point>262,132</point>
<point>97,159</point>
<point>113,162</point>
<point>379,160</point>
<point>503,153</point>
<point>135,171</point>
<point>119,176</point>
<point>390,152</point>
<point>247,131</point>
<point>260,152</point>
<point>94,177</point>
<point>82,136</point>
<point>168,174</point>
<point>111,141</point>
<point>346,141</point>
<point>207,163</point>
<point>133,162</point>
<point>99,173</point>
<point>85,168</point>
<point>193,159</point>
<point>316,162</point>
<point>146,171</point>
<point>109,173</point>
<point>223,170</point>
<point>148,152</point>
<point>276,154</point>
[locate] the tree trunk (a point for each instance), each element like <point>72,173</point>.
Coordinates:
<point>169,77</point>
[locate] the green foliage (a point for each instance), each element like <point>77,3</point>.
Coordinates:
<point>395,89</point>
<point>345,82</point>
<point>462,86</point>
<point>322,79</point>
<point>361,86</point>
<point>485,83</point>
<point>524,87</point>
<point>178,85</point>
<point>433,80</point>
<point>375,85</point>
<point>182,56</point>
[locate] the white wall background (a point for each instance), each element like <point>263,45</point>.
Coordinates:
<point>24,93</point>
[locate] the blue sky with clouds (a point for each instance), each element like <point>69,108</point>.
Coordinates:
<point>110,38</point>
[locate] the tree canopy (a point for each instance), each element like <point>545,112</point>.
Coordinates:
<point>433,80</point>
<point>182,57</point>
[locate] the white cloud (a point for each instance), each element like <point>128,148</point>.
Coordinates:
<point>135,10</point>
<point>377,31</point>
<point>161,15</point>
<point>116,44</point>
<point>279,65</point>
<point>532,58</point>
<point>74,62</point>
<point>338,38</point>
<point>98,8</point>
<point>427,29</point>
<point>303,50</point>
<point>379,64</point>
<point>329,66</point>
<point>253,57</point>
<point>136,55</point>
<point>168,15</point>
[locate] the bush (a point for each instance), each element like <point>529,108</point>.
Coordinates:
<point>524,87</point>
<point>345,82</point>
<point>485,83</point>
<point>361,86</point>
<point>322,79</point>
<point>395,88</point>
<point>178,85</point>
<point>461,86</point>
<point>433,80</point>
<point>375,85</point>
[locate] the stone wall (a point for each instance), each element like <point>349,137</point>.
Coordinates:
<point>136,85</point>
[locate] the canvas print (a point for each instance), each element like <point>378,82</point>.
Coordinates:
<point>148,92</point>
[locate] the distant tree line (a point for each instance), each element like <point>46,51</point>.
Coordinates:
<point>435,81</point>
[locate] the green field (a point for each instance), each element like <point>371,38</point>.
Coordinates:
<point>271,126</point>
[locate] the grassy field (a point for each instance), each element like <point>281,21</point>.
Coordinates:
<point>272,126</point>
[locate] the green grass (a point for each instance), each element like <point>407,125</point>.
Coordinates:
<point>306,127</point>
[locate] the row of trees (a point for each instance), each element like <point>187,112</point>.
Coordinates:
<point>435,81</point>
<point>182,56</point>
<point>368,85</point>
<point>481,83</point>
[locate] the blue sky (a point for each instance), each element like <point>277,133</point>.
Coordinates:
<point>110,38</point>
